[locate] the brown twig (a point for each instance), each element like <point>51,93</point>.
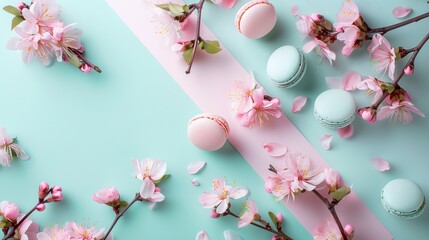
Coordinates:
<point>199,8</point>
<point>12,231</point>
<point>86,61</point>
<point>384,30</point>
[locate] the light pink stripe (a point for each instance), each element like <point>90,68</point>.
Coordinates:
<point>208,86</point>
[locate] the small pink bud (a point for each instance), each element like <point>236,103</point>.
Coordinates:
<point>85,68</point>
<point>57,196</point>
<point>157,189</point>
<point>316,17</point>
<point>214,214</point>
<point>56,189</point>
<point>40,207</point>
<point>368,114</point>
<point>280,218</point>
<point>348,229</point>
<point>21,6</point>
<point>43,190</point>
<point>276,238</point>
<point>409,70</point>
<point>10,211</point>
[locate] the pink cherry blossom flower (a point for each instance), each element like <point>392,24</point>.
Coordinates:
<point>333,179</point>
<point>5,159</point>
<point>279,187</point>
<point>383,55</point>
<point>225,3</point>
<point>42,13</point>
<point>262,109</point>
<point>150,192</point>
<point>8,210</point>
<point>54,233</point>
<point>305,25</point>
<point>321,49</point>
<point>4,138</point>
<point>372,85</point>
<point>166,25</point>
<point>349,82</point>
<point>328,231</point>
<point>27,230</point>
<point>250,214</point>
<point>350,37</point>
<point>349,13</point>
<point>301,173</point>
<point>80,232</point>
<point>368,114</point>
<point>153,169</point>
<point>400,110</point>
<point>220,196</point>
<point>9,150</point>
<point>242,93</point>
<point>65,39</point>
<point>109,196</point>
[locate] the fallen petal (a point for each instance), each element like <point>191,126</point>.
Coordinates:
<point>401,12</point>
<point>195,167</point>
<point>195,182</point>
<point>202,235</point>
<point>380,164</point>
<point>334,82</point>
<point>294,10</point>
<point>346,132</point>
<point>275,149</point>
<point>298,103</point>
<point>325,141</point>
<point>231,235</point>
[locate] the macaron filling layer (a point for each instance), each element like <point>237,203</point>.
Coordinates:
<point>334,124</point>
<point>297,76</point>
<point>219,120</point>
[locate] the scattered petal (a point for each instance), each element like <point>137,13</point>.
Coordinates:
<point>298,103</point>
<point>231,235</point>
<point>326,140</point>
<point>294,10</point>
<point>401,12</point>
<point>334,82</point>
<point>195,167</point>
<point>275,149</point>
<point>380,164</point>
<point>195,182</point>
<point>346,132</point>
<point>202,235</point>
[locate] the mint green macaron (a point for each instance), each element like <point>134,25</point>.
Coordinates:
<point>335,108</point>
<point>403,198</point>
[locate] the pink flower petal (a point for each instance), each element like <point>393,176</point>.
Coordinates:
<point>231,235</point>
<point>202,235</point>
<point>294,10</point>
<point>380,164</point>
<point>401,12</point>
<point>326,140</point>
<point>346,132</point>
<point>195,182</point>
<point>334,82</point>
<point>298,103</point>
<point>195,167</point>
<point>275,149</point>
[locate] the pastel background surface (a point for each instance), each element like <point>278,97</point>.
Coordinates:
<point>82,130</point>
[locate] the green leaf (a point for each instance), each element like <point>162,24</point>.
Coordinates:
<point>273,218</point>
<point>74,59</point>
<point>16,21</point>
<point>12,10</point>
<point>185,8</point>
<point>187,55</point>
<point>201,45</point>
<point>162,179</point>
<point>340,193</point>
<point>163,6</point>
<point>176,9</point>
<point>2,224</point>
<point>212,47</point>
<point>388,87</point>
<point>123,203</point>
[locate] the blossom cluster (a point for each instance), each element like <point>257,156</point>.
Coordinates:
<point>9,149</point>
<point>42,35</point>
<point>251,104</point>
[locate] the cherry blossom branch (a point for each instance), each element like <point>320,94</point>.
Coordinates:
<point>12,231</point>
<point>199,8</point>
<point>331,208</point>
<point>86,61</point>
<point>410,62</point>
<point>121,213</point>
<point>267,227</point>
<point>384,30</point>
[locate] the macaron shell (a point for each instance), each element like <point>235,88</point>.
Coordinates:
<point>335,108</point>
<point>404,198</point>
<point>207,134</point>
<point>286,66</point>
<point>258,20</point>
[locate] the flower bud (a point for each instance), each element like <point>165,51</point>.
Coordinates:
<point>317,17</point>
<point>276,238</point>
<point>56,189</point>
<point>349,231</point>
<point>43,190</point>
<point>109,196</point>
<point>9,210</point>
<point>332,179</point>
<point>85,68</point>
<point>214,214</point>
<point>409,70</point>
<point>40,207</point>
<point>368,114</point>
<point>56,197</point>
<point>280,218</point>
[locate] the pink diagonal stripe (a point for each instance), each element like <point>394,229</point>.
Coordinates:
<point>208,86</point>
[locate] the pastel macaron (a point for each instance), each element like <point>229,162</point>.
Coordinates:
<point>256,19</point>
<point>286,66</point>
<point>335,108</point>
<point>208,131</point>
<point>403,198</point>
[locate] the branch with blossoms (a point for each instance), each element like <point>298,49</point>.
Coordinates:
<point>352,29</point>
<point>18,226</point>
<point>298,176</point>
<point>151,172</point>
<point>44,36</point>
<point>172,18</point>
<point>218,201</point>
<point>10,149</point>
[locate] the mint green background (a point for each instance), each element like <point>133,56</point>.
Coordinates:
<point>82,130</point>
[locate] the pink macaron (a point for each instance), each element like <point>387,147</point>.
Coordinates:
<point>208,131</point>
<point>256,19</point>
